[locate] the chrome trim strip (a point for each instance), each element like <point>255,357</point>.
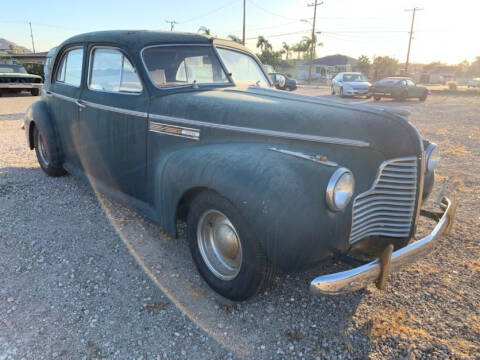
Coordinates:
<point>116,109</point>
<point>357,278</point>
<point>314,158</point>
<point>264,132</point>
<point>63,97</point>
<point>174,130</point>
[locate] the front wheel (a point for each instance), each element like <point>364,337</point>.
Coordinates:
<point>47,154</point>
<point>333,91</point>
<point>377,98</point>
<point>225,251</point>
<point>341,93</point>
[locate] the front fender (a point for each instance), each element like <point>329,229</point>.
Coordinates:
<point>282,197</point>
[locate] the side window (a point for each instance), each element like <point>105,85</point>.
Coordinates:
<point>410,83</point>
<point>70,70</point>
<point>111,71</point>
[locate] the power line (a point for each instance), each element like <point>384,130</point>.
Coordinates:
<point>284,34</point>
<point>209,13</point>
<point>270,12</point>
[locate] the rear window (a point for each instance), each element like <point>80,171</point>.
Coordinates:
<point>70,70</point>
<point>387,82</point>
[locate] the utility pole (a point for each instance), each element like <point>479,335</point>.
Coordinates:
<point>313,42</point>
<point>172,23</point>
<point>244,6</point>
<point>415,9</point>
<point>31,35</point>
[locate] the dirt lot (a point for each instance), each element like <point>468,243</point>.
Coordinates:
<point>83,277</point>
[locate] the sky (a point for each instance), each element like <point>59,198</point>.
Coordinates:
<point>444,30</point>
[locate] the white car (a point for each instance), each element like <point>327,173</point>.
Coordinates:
<point>351,84</point>
<point>474,82</point>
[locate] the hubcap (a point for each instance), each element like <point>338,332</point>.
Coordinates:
<point>219,245</point>
<point>42,150</point>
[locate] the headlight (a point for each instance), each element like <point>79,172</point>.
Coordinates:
<point>432,156</point>
<point>340,189</point>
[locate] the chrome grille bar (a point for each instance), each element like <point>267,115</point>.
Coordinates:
<point>387,208</point>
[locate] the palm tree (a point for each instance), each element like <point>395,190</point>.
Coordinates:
<point>286,48</point>
<point>263,43</point>
<point>235,38</point>
<point>204,30</point>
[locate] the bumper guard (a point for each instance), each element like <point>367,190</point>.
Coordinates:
<point>377,270</point>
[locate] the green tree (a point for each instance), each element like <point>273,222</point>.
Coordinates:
<point>363,65</point>
<point>270,57</point>
<point>204,30</point>
<point>263,44</point>
<point>286,50</point>
<point>384,66</point>
<point>235,38</point>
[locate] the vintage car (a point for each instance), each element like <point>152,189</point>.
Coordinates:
<point>351,84</point>
<point>184,127</point>
<point>14,79</point>
<point>399,88</point>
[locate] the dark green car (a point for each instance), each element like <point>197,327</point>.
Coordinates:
<point>399,88</point>
<point>189,129</point>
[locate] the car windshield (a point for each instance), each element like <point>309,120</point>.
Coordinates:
<point>354,78</point>
<point>12,69</point>
<point>183,65</point>
<point>244,68</point>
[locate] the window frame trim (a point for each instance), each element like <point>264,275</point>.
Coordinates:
<point>124,54</point>
<point>57,66</point>
<point>229,78</point>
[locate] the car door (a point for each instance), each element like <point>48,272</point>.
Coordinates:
<point>413,90</point>
<point>114,122</point>
<point>62,99</point>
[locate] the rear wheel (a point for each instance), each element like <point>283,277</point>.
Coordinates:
<point>424,96</point>
<point>47,154</point>
<point>225,251</point>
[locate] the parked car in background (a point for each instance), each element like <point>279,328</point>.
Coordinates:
<point>283,82</point>
<point>351,84</point>
<point>14,79</point>
<point>473,83</point>
<point>399,88</point>
<point>187,128</point>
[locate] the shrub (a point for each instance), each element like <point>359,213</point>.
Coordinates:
<point>452,85</point>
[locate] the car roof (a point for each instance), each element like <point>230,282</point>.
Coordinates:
<point>138,39</point>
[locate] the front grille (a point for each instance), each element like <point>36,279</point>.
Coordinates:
<point>19,80</point>
<point>387,208</point>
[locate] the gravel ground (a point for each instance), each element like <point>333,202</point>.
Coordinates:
<point>83,277</point>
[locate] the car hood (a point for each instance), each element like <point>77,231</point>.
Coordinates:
<point>383,129</point>
<point>357,84</point>
<point>20,75</point>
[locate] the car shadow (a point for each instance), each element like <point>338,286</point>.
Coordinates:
<point>285,320</point>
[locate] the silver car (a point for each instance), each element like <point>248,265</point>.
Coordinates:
<point>351,84</point>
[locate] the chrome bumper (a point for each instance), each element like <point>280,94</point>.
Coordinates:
<point>358,278</point>
<point>21,86</point>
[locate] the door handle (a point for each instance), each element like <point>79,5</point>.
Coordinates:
<point>48,93</point>
<point>81,105</point>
